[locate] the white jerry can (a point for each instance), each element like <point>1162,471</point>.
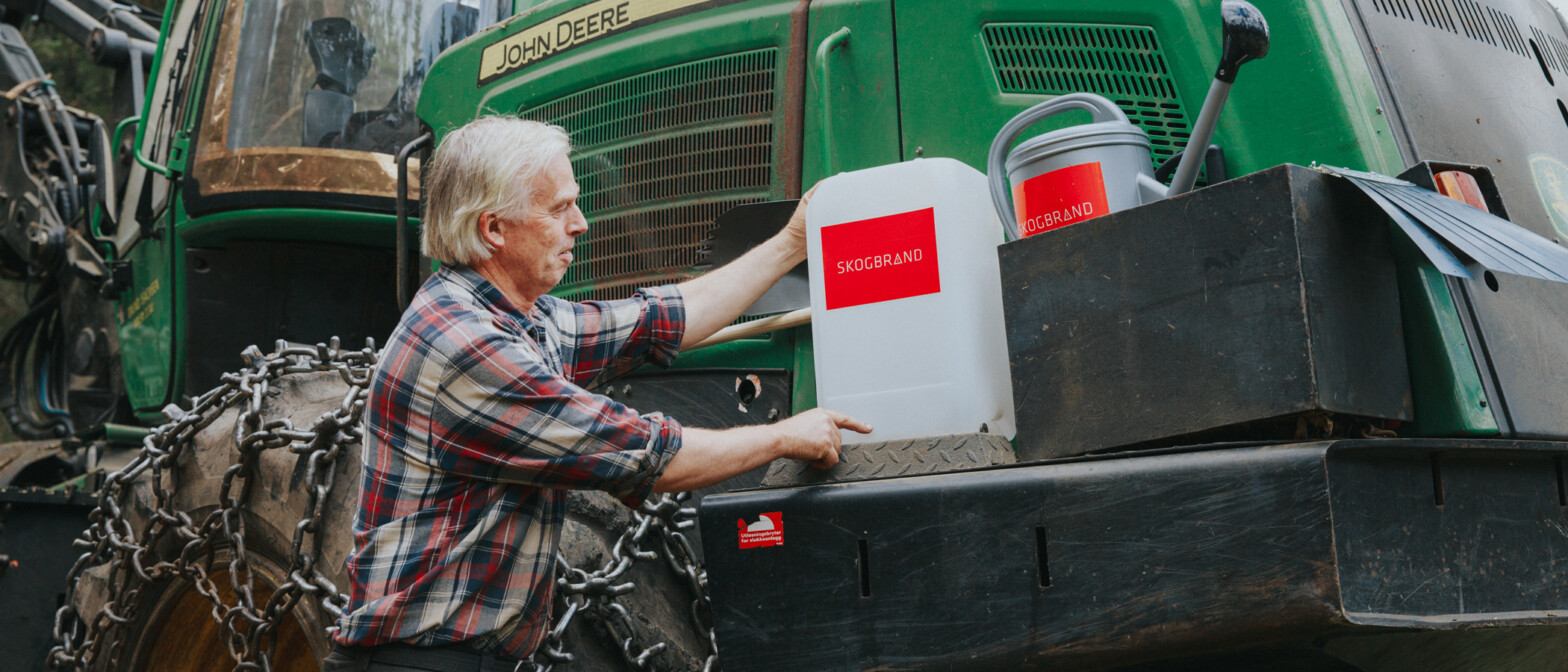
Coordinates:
<point>906,301</point>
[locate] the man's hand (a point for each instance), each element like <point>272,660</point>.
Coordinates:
<point>814,436</point>
<point>716,298</point>
<point>709,456</point>
<point>794,233</point>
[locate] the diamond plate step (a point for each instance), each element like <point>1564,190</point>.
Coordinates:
<point>888,459</point>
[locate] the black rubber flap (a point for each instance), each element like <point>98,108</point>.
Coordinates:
<point>1444,228</point>
<point>746,226</point>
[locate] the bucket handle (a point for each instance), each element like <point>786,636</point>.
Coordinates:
<point>996,169</point>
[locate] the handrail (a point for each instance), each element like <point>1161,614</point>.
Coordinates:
<point>146,162</point>
<point>402,215</point>
<point>765,325</point>
<point>839,38</point>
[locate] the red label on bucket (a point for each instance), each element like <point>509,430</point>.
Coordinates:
<point>881,259</point>
<point>1058,198</point>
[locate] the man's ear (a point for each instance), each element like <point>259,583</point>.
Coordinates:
<point>491,230</point>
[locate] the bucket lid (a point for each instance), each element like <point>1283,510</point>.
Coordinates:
<point>1076,137</point>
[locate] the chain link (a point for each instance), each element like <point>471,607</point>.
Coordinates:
<point>250,631</point>
<point>657,530</point>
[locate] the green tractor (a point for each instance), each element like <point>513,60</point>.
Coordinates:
<point>211,272</point>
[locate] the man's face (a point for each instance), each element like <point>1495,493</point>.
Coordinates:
<point>539,244</point>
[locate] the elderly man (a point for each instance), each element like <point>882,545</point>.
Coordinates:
<point>479,419</point>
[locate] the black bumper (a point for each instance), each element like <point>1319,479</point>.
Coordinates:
<point>1197,555</point>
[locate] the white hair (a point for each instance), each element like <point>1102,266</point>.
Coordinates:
<point>488,165</point>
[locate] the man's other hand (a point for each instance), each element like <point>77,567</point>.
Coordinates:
<point>795,231</point>
<point>717,297</point>
<point>815,436</point>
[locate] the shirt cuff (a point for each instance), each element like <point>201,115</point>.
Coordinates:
<point>660,450</point>
<point>666,322</point>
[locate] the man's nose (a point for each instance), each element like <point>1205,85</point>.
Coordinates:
<point>579,224</point>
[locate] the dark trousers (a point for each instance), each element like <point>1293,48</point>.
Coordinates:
<point>408,658</point>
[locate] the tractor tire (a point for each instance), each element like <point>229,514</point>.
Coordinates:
<point>172,627</point>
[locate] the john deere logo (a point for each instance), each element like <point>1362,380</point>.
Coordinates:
<point>1551,182</point>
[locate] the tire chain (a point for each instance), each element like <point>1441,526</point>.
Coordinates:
<point>659,523</point>
<point>250,633</point>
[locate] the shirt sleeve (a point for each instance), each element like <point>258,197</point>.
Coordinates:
<point>605,339</point>
<point>502,415</point>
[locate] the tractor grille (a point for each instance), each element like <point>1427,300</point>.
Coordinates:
<point>1122,63</point>
<point>659,156</point>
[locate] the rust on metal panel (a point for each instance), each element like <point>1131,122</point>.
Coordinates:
<point>789,167</point>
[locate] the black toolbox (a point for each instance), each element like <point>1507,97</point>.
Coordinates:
<point>1268,296</point>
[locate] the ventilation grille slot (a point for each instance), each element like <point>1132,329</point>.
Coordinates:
<point>1478,22</point>
<point>659,156</point>
<point>1122,63</point>
<point>1473,17</point>
<point>1553,50</point>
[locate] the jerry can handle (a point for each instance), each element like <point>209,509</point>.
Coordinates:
<point>996,170</point>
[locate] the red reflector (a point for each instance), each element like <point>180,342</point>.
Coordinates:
<point>1461,187</point>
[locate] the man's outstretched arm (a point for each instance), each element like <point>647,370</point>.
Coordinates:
<point>709,456</point>
<point>719,296</point>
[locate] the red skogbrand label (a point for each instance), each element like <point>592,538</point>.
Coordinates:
<point>767,530</point>
<point>881,259</point>
<point>1061,197</point>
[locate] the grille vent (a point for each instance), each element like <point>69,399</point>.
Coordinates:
<point>1478,22</point>
<point>1122,63</point>
<point>1553,50</point>
<point>1473,18</point>
<point>659,156</point>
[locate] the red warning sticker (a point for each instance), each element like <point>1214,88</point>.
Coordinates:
<point>1061,197</point>
<point>881,259</point>
<point>768,530</point>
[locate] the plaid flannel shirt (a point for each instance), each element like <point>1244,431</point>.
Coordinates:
<point>477,420</point>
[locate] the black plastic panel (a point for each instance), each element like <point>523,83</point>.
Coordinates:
<point>35,547</point>
<point>1463,83</point>
<point>1490,546</point>
<point>254,293</point>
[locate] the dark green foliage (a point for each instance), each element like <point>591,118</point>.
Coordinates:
<point>80,83</point>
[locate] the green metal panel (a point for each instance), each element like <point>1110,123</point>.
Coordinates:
<point>861,103</point>
<point>673,122</point>
<point>322,226</point>
<point>1446,388</point>
<point>1123,63</point>
<point>147,326</point>
<point>153,330</point>
<point>966,68</point>
<point>659,156</point>
<point>1312,99</point>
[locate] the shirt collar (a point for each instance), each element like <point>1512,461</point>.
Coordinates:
<point>488,294</point>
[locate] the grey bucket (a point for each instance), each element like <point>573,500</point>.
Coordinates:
<point>1110,145</point>
<point>1117,151</point>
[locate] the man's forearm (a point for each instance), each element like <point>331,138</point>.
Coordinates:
<point>708,456</point>
<point>718,297</point>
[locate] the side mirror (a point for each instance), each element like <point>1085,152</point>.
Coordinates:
<point>102,153</point>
